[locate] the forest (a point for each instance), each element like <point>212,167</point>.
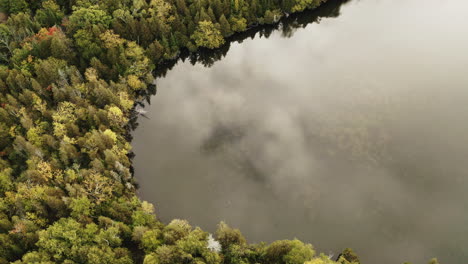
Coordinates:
<point>71,74</point>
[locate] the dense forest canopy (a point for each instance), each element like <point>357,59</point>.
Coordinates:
<point>71,75</point>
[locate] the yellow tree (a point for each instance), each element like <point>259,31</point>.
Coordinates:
<point>207,35</point>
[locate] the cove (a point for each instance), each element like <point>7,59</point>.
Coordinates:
<point>343,127</point>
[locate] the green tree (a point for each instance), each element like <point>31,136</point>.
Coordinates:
<point>89,18</point>
<point>270,17</point>
<point>13,6</point>
<point>225,26</point>
<point>68,241</point>
<point>50,14</point>
<point>176,230</point>
<point>288,252</point>
<point>348,256</point>
<point>228,236</point>
<point>322,259</point>
<point>217,7</point>
<point>211,14</point>
<point>207,35</point>
<point>155,51</point>
<point>301,5</point>
<point>238,24</point>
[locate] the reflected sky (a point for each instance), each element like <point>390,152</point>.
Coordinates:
<point>350,132</point>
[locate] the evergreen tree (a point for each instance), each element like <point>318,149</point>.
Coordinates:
<point>217,7</point>
<point>205,17</point>
<point>13,6</point>
<point>211,15</point>
<point>225,26</point>
<point>50,14</point>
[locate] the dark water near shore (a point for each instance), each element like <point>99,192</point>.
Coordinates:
<point>345,127</point>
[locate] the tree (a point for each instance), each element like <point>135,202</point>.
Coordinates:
<point>299,253</point>
<point>81,208</point>
<point>155,51</point>
<point>116,117</point>
<point>162,14</point>
<point>13,6</point>
<point>322,259</point>
<point>176,230</point>
<point>87,44</point>
<point>89,18</point>
<point>68,241</point>
<point>269,17</point>
<point>238,24</point>
<point>98,187</point>
<point>6,183</point>
<point>217,7</point>
<point>288,252</point>
<point>151,240</point>
<point>204,16</point>
<point>228,236</point>
<point>348,256</point>
<point>225,26</point>
<point>50,14</point>
<point>163,255</point>
<point>207,35</point>
<point>211,14</point>
<point>300,5</point>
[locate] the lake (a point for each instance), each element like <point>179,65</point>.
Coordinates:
<point>343,127</point>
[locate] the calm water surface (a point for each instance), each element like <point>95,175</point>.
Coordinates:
<point>349,132</point>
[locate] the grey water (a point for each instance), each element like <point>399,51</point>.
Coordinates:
<point>348,131</point>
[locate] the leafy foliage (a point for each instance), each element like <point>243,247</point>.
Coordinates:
<point>207,35</point>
